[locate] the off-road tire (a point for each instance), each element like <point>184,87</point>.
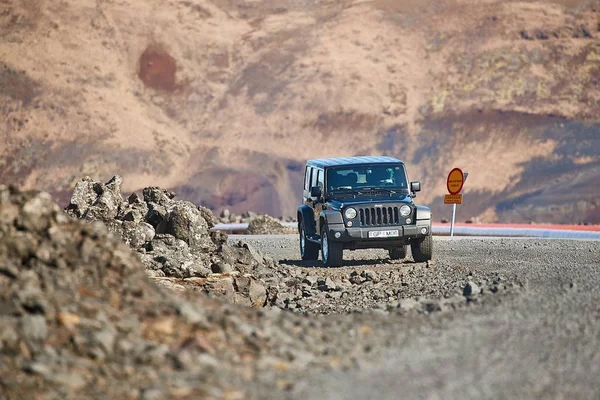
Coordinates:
<point>422,249</point>
<point>332,252</point>
<point>398,253</point>
<point>309,251</point>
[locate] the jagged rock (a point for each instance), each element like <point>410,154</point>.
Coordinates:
<point>218,237</point>
<point>84,195</point>
<point>258,257</point>
<point>157,195</point>
<point>134,198</point>
<point>208,216</point>
<point>249,292</point>
<point>136,234</point>
<point>157,216</point>
<point>187,223</point>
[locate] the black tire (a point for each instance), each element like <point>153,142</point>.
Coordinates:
<point>422,249</point>
<point>308,250</point>
<point>398,253</point>
<point>332,252</point>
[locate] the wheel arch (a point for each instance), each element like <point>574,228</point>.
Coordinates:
<point>305,214</point>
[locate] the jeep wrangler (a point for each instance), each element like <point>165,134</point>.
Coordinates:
<point>361,203</point>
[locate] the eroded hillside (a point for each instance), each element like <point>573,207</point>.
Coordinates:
<point>224,100</point>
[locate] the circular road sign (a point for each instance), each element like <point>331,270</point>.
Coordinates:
<point>455,181</point>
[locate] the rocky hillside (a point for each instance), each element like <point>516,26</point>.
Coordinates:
<point>222,101</point>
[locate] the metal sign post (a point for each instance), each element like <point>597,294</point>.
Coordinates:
<point>455,182</point>
<point>453,216</point>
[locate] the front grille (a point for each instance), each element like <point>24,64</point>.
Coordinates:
<point>379,216</point>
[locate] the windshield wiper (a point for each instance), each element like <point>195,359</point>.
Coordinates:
<point>376,189</point>
<point>345,188</point>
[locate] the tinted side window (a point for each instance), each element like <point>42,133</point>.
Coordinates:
<point>320,179</point>
<point>314,178</point>
<point>307,178</point>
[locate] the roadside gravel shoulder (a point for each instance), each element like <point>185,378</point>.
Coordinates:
<point>536,339</point>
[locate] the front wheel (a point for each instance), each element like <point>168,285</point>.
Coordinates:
<point>308,250</point>
<point>332,252</point>
<point>422,249</point>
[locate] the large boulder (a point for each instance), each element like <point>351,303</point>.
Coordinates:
<point>84,195</point>
<point>187,223</point>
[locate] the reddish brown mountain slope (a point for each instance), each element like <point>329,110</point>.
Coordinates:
<point>224,100</point>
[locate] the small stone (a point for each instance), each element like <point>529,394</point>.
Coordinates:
<point>254,253</point>
<point>34,327</point>
<point>329,285</point>
<point>38,368</point>
<point>257,294</point>
<point>310,280</point>
<point>221,268</point>
<point>407,304</point>
<point>370,275</point>
<point>106,339</point>
<point>471,289</point>
<point>429,306</point>
<point>68,319</point>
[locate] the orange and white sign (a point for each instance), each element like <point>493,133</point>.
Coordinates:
<point>453,199</point>
<point>455,181</point>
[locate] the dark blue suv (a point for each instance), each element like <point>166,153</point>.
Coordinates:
<point>360,203</point>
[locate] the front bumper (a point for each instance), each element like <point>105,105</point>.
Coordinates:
<point>341,233</point>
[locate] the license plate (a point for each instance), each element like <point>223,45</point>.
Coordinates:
<point>384,234</point>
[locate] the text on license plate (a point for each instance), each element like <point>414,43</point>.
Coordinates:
<point>384,234</point>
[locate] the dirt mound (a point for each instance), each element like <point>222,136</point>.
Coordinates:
<point>267,225</point>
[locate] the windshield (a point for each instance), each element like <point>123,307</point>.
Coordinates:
<point>385,176</point>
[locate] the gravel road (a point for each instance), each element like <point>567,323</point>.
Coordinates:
<point>533,333</point>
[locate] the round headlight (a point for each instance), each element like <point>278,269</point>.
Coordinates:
<point>405,210</point>
<point>350,213</point>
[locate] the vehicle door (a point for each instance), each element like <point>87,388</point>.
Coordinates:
<point>319,179</point>
<point>310,178</point>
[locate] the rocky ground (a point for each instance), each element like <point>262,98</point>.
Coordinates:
<point>81,315</point>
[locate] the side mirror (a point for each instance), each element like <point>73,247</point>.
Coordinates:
<point>415,186</point>
<point>315,192</point>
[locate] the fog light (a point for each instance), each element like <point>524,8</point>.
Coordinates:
<point>349,223</point>
<point>338,235</point>
<point>423,231</point>
<point>408,220</point>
